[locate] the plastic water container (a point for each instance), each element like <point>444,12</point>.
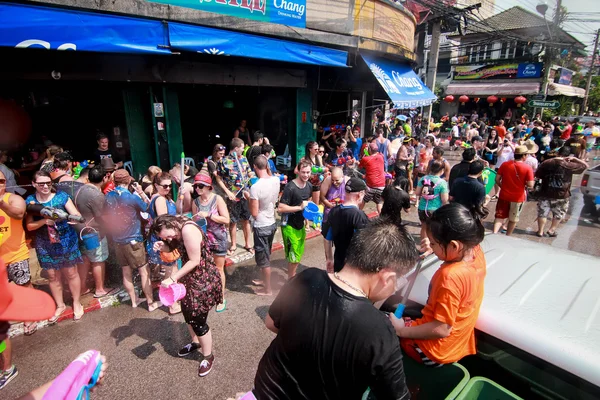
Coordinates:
<point>311,211</point>
<point>172,294</point>
<point>597,199</point>
<point>90,240</point>
<point>201,222</point>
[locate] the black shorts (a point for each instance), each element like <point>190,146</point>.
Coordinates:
<point>238,210</point>
<point>263,242</point>
<point>197,322</point>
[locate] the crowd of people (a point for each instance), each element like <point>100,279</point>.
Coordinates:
<point>187,238</point>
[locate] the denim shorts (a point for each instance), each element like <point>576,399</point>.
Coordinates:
<point>97,255</point>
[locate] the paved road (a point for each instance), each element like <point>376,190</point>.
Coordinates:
<point>142,347</point>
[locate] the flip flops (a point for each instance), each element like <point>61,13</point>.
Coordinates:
<point>57,314</point>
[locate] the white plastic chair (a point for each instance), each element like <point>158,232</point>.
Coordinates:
<point>128,165</point>
<point>189,161</point>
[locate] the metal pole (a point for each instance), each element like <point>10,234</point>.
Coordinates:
<point>548,55</point>
<point>432,61</point>
<point>590,73</point>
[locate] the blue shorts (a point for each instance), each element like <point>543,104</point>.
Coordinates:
<point>99,254</point>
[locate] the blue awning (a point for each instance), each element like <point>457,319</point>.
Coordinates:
<point>25,26</point>
<point>228,43</point>
<point>400,83</point>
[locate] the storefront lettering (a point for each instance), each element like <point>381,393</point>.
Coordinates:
<point>36,42</point>
<point>384,79</point>
<point>290,6</point>
<point>406,82</point>
<point>252,5</point>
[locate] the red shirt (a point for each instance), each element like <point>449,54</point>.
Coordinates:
<point>566,135</point>
<point>515,176</point>
<point>501,130</point>
<point>375,172</point>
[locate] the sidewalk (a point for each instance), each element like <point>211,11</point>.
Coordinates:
<point>92,304</point>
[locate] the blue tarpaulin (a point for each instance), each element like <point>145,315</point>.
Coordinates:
<point>400,82</point>
<point>25,26</point>
<point>220,42</point>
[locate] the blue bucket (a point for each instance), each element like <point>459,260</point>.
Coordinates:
<point>91,241</point>
<point>201,222</point>
<point>311,211</point>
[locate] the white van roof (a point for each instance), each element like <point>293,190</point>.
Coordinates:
<point>542,300</point>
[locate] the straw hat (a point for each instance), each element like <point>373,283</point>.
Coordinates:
<point>522,149</point>
<point>532,148</point>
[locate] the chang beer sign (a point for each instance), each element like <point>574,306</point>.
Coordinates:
<point>284,12</point>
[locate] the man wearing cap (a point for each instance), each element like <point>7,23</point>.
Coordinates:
<point>18,303</point>
<point>342,222</point>
<point>577,144</point>
<point>103,152</point>
<point>123,219</point>
<point>513,177</point>
<point>374,175</point>
<point>403,158</point>
<point>556,176</point>
<point>109,168</point>
<point>263,197</point>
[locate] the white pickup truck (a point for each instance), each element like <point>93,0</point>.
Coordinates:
<point>539,322</point>
<point>590,185</point>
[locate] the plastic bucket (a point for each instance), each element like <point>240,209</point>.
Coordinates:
<point>172,294</point>
<point>91,240</point>
<point>201,222</point>
<point>489,179</point>
<point>311,211</point>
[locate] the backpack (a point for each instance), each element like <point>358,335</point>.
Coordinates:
<point>428,192</point>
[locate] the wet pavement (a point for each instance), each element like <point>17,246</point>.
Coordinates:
<point>142,347</point>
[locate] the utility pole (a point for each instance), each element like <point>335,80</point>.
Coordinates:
<point>432,62</point>
<point>548,56</point>
<point>590,73</point>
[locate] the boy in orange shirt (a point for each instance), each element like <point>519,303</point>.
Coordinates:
<point>446,332</point>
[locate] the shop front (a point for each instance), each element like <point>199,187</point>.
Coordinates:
<point>154,87</point>
<point>492,90</point>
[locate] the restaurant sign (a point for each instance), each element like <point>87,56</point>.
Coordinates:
<point>502,71</point>
<point>284,12</point>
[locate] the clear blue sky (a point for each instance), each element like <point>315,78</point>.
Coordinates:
<point>583,31</point>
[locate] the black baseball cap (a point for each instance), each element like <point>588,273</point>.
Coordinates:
<point>476,138</point>
<point>355,185</point>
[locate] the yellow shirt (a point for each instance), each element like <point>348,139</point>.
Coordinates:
<point>13,247</point>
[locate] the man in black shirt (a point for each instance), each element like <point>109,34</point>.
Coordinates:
<point>467,190</point>
<point>342,222</point>
<point>103,151</point>
<point>256,149</point>
<point>291,206</point>
<point>331,342</point>
<point>462,168</point>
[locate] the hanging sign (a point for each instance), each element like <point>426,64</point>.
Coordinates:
<point>284,12</point>
<point>544,103</point>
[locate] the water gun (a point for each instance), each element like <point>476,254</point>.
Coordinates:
<point>318,220</point>
<point>283,179</point>
<point>78,167</point>
<point>55,214</point>
<point>110,186</point>
<point>343,161</point>
<point>465,145</point>
<point>77,379</point>
<point>318,169</point>
<point>334,128</point>
<point>485,176</point>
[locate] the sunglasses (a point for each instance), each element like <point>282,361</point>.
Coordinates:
<point>221,148</point>
<point>2,181</point>
<point>48,184</point>
<point>199,186</point>
<point>321,151</point>
<point>167,186</point>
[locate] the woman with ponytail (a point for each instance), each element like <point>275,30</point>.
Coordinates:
<point>446,332</point>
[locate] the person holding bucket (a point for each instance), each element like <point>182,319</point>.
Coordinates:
<point>56,244</point>
<point>211,214</point>
<point>161,204</point>
<point>200,277</point>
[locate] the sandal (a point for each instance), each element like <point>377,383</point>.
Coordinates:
<point>231,251</point>
<point>77,317</point>
<point>109,291</point>
<point>57,314</point>
<point>551,234</point>
<point>154,306</point>
<point>249,249</point>
<point>221,307</point>
<point>30,329</point>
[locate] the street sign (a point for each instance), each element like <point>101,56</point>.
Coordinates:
<point>544,103</point>
<point>538,97</point>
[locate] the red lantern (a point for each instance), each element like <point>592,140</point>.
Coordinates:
<point>491,100</point>
<point>449,98</point>
<point>463,99</point>
<point>520,100</point>
<point>503,99</point>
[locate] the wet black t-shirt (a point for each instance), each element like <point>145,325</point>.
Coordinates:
<point>339,228</point>
<point>294,196</point>
<point>331,345</point>
<point>99,155</point>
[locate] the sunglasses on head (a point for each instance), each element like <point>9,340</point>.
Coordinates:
<point>2,181</point>
<point>221,148</point>
<point>49,184</point>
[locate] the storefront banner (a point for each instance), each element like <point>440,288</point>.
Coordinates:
<point>566,76</point>
<point>284,12</point>
<point>199,39</point>
<point>400,82</point>
<point>24,26</point>
<point>503,71</point>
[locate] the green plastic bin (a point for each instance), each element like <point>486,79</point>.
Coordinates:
<point>489,179</point>
<point>485,389</point>
<point>426,383</point>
